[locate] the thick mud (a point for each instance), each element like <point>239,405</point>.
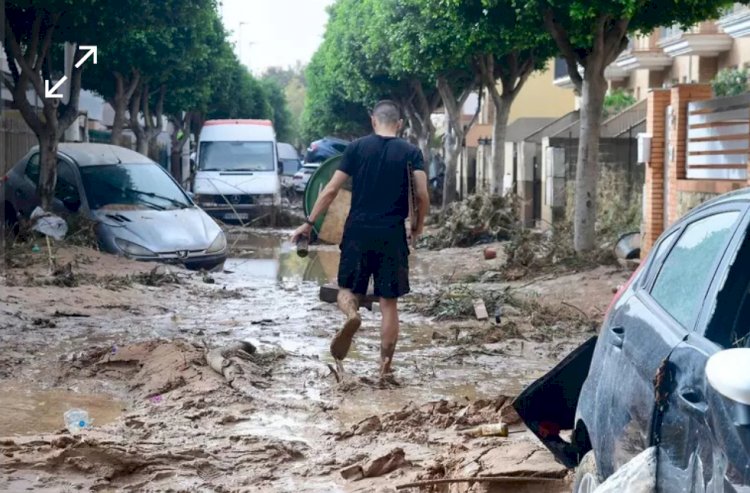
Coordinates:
<point>138,349</point>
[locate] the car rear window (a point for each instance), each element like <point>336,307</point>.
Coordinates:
<point>687,270</point>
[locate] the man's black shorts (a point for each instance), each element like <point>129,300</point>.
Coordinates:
<point>380,252</point>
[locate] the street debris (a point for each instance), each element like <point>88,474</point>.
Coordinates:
<point>480,310</point>
<point>637,476</point>
<point>479,218</point>
<point>376,467</point>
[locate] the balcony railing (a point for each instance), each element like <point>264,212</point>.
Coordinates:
<point>671,32</point>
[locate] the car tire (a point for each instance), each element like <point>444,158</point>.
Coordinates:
<point>587,477</point>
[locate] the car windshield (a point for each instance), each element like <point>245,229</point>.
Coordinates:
<point>236,156</point>
<point>131,186</point>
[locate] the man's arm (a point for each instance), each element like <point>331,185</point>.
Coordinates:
<point>325,198</point>
<point>328,195</point>
<point>423,199</point>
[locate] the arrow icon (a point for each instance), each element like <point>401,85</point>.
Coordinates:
<point>92,51</point>
<point>50,93</point>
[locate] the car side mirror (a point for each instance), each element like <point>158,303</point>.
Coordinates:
<point>191,195</point>
<point>280,167</point>
<point>728,372</point>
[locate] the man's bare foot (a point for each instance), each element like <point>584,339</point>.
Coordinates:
<point>342,341</point>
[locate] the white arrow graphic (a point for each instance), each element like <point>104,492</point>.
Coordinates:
<point>50,93</point>
<point>92,51</point>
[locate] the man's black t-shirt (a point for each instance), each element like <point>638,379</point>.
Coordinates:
<point>380,187</point>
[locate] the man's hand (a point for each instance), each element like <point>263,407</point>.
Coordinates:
<point>302,231</point>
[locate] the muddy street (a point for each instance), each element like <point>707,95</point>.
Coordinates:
<point>177,405</point>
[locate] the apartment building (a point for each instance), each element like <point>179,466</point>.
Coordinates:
<point>669,55</point>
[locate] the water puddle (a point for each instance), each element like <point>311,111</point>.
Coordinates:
<point>29,411</point>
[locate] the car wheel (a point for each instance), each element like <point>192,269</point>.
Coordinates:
<point>587,474</point>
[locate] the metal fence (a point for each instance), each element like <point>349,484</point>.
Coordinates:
<point>718,138</point>
<point>16,139</point>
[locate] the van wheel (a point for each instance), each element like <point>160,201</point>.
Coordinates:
<point>587,475</point>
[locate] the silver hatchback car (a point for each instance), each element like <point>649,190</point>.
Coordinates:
<point>139,209</point>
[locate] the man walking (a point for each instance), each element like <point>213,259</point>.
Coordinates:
<point>375,242</point>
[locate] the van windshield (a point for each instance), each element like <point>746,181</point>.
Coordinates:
<point>236,156</point>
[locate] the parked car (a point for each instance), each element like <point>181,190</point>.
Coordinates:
<point>139,209</point>
<point>671,365</point>
<point>290,163</point>
<point>325,148</point>
<point>302,176</point>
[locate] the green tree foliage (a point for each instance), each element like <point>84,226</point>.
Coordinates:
<point>504,53</point>
<point>617,100</point>
<point>328,111</point>
<point>33,34</point>
<point>592,35</point>
<point>279,111</point>
<point>730,82</point>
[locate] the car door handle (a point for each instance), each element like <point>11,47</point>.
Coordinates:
<point>617,336</point>
<point>693,400</point>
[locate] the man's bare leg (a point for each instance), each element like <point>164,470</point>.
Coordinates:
<point>342,341</point>
<point>388,334</point>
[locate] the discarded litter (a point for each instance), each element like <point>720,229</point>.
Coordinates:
<point>480,310</point>
<point>114,349</point>
<point>76,420</point>
<point>36,249</point>
<point>156,399</point>
<point>488,430</point>
<point>49,224</point>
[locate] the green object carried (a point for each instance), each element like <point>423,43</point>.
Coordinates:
<point>316,184</point>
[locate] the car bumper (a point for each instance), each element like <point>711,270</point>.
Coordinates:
<point>209,262</point>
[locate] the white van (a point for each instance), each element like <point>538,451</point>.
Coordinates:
<point>237,168</point>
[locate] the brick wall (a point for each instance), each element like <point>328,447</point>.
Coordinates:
<point>683,194</point>
<point>653,214</point>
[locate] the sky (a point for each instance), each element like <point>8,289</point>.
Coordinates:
<point>275,32</point>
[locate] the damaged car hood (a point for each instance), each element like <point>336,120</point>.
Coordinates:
<point>161,231</point>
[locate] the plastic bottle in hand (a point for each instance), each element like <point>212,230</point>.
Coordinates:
<point>303,244</point>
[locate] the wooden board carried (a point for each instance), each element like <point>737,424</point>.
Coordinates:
<point>335,218</point>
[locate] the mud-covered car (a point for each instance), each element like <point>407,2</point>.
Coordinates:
<point>138,208</point>
<point>670,367</point>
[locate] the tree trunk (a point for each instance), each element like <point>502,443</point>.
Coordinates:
<point>587,167</point>
<point>423,142</point>
<point>499,129</point>
<point>47,168</point>
<point>452,149</point>
<point>120,105</point>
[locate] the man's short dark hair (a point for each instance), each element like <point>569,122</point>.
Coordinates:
<point>386,112</point>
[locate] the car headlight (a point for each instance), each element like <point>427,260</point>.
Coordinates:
<point>133,249</point>
<point>219,244</point>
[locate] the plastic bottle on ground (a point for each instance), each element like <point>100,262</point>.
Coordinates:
<point>76,420</point>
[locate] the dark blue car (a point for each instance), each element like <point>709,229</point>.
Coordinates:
<point>325,148</point>
<point>644,381</point>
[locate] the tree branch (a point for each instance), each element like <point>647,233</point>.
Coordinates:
<point>616,40</point>
<point>31,52</point>
<point>145,109</point>
<point>47,43</point>
<point>562,40</point>
<point>17,55</point>
<point>134,81</point>
<point>69,111</point>
<point>11,61</point>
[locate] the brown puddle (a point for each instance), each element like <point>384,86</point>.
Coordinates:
<point>41,411</point>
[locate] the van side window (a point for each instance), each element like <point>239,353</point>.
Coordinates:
<point>729,319</point>
<point>689,267</point>
<point>33,169</point>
